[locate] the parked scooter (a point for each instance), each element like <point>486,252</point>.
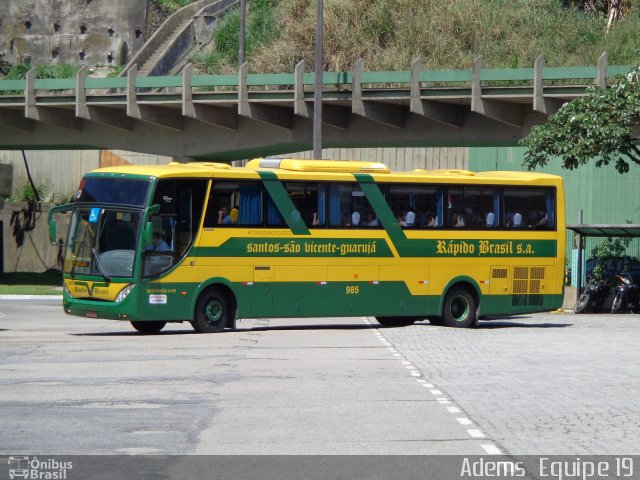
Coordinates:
<point>594,294</point>
<point>627,295</point>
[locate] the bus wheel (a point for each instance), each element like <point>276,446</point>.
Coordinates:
<point>148,327</point>
<point>459,308</point>
<point>395,321</point>
<point>212,312</point>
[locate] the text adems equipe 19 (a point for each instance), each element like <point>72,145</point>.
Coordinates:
<point>558,468</point>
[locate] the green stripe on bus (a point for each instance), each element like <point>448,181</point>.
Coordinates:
<point>308,247</point>
<point>377,247</point>
<point>288,210</point>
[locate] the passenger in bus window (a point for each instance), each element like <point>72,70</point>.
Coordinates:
<point>457,220</point>
<point>233,214</point>
<point>410,217</point>
<point>517,220</point>
<point>429,220</point>
<point>543,221</point>
<point>490,219</point>
<point>372,221</point>
<point>223,216</point>
<point>355,219</point>
<point>508,223</point>
<point>400,220</point>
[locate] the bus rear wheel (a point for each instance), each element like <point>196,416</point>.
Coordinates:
<point>460,308</point>
<point>212,312</point>
<point>148,327</point>
<point>395,321</point>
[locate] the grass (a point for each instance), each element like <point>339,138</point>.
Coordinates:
<point>171,6</point>
<point>21,283</point>
<point>389,34</point>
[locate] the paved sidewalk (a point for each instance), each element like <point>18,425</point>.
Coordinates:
<point>539,384</point>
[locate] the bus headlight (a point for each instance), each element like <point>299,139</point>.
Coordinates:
<point>124,292</point>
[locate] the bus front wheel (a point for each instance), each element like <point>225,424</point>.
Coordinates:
<point>148,327</point>
<point>460,308</point>
<point>212,312</point>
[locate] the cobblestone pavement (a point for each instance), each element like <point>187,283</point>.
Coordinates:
<point>538,384</point>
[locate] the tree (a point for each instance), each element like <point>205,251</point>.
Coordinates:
<point>613,10</point>
<point>598,126</point>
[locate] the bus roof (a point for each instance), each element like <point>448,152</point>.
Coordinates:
<point>290,168</point>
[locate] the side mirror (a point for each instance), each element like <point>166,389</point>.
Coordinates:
<point>52,231</point>
<point>147,234</point>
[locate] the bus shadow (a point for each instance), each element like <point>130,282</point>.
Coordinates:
<point>326,326</point>
<point>516,322</point>
<point>272,328</point>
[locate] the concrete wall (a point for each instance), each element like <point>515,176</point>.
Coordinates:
<point>62,170</point>
<point>25,238</point>
<point>71,31</point>
<point>401,159</point>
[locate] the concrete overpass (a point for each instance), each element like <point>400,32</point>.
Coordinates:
<point>225,117</point>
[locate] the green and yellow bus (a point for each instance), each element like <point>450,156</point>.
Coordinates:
<point>208,243</point>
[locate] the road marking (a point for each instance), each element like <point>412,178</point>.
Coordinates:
<point>491,449</point>
<point>475,433</point>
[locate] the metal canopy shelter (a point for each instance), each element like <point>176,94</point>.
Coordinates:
<point>628,230</point>
<point>606,230</point>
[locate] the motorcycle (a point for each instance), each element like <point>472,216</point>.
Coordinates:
<point>627,294</point>
<point>594,295</point>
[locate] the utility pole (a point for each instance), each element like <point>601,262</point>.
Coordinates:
<point>317,97</point>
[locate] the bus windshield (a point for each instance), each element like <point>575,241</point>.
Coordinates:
<point>102,242</point>
<point>113,190</point>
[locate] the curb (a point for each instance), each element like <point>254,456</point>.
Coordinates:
<point>30,297</point>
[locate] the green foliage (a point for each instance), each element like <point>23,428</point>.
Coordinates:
<point>260,29</point>
<point>171,6</point>
<point>605,252</point>
<point>27,194</point>
<point>598,126</point>
<point>390,34</point>
<point>63,70</point>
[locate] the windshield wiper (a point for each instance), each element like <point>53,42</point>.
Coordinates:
<point>100,266</point>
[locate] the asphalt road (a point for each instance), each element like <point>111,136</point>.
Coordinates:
<point>538,384</point>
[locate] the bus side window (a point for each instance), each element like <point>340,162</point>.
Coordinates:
<point>309,200</point>
<point>234,203</point>
<point>347,206</point>
<point>529,208</point>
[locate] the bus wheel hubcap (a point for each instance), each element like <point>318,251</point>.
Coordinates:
<point>213,311</point>
<point>459,308</point>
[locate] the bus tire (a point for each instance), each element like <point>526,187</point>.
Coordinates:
<point>212,312</point>
<point>148,327</point>
<point>395,321</point>
<point>460,308</point>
